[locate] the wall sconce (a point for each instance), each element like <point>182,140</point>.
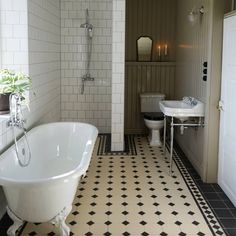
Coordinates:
<point>194,13</point>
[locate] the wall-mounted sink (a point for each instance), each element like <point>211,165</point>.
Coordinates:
<point>188,107</point>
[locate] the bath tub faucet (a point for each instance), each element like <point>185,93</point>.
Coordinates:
<point>16,118</point>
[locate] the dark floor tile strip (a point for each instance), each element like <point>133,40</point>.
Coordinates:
<point>104,148</point>
<point>5,223</point>
<point>182,169</point>
<point>220,210</point>
<point>212,193</point>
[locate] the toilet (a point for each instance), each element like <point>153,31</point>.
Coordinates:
<point>153,117</point>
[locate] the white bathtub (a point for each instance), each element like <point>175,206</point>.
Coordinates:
<point>44,190</point>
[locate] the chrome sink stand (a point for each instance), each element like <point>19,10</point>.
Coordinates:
<point>172,125</point>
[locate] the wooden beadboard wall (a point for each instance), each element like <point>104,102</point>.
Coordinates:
<point>145,77</point>
<point>157,19</point>
<point>154,18</point>
<point>198,42</point>
<point>192,50</point>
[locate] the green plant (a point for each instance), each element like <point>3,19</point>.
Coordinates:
<point>12,82</point>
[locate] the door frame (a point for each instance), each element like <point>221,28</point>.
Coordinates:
<point>212,119</point>
<point>221,181</point>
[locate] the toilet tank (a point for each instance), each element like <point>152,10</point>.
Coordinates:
<point>150,102</point>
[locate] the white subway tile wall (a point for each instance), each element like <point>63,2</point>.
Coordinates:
<point>118,74</point>
<point>14,35</point>
<point>94,106</point>
<point>44,60</point>
<point>13,48</point>
<point>30,43</point>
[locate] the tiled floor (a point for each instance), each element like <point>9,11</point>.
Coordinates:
<point>222,207</point>
<point>134,195</point>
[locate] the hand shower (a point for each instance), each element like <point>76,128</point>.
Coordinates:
<point>16,121</point>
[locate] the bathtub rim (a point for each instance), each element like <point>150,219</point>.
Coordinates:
<point>75,173</point>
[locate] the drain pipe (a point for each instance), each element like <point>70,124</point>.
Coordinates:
<point>184,126</point>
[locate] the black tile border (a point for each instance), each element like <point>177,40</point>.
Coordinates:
<point>104,147</point>
<point>5,223</point>
<point>219,203</point>
<point>212,222</point>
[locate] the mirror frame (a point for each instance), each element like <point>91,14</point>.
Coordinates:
<point>151,54</point>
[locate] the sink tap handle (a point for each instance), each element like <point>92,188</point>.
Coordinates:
<point>190,100</point>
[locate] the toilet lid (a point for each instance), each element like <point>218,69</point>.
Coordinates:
<point>154,116</point>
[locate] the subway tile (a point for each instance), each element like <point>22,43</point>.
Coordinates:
<point>74,59</point>
<point>45,71</point>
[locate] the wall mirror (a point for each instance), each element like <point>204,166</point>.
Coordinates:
<point>144,48</point>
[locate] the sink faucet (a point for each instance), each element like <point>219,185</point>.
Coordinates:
<point>190,100</point>
<point>16,119</point>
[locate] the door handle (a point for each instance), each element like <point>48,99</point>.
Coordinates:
<point>220,106</point>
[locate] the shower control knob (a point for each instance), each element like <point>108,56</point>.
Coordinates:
<point>205,71</point>
<point>204,78</point>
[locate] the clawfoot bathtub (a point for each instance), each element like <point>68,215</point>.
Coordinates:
<point>44,190</point>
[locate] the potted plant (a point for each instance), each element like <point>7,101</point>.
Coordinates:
<point>11,82</point>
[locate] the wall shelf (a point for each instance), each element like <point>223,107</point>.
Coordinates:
<point>150,63</point>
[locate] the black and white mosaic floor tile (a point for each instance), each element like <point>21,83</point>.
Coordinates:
<point>134,195</point>
<point>104,147</point>
<point>206,210</point>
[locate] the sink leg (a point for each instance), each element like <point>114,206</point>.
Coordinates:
<point>171,144</point>
<point>164,136</point>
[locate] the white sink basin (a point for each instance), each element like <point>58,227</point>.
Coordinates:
<point>182,108</point>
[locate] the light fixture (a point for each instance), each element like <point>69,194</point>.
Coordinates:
<point>195,13</point>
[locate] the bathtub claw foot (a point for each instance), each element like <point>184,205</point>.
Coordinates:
<point>59,221</point>
<point>17,223</point>
<point>64,229</point>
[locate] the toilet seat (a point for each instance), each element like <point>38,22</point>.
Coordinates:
<point>155,116</point>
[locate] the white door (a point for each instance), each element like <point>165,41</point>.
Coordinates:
<point>227,147</point>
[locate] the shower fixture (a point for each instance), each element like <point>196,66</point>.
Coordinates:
<point>89,35</point>
<point>87,26</point>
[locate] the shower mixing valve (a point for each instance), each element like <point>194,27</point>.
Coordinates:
<point>87,77</point>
